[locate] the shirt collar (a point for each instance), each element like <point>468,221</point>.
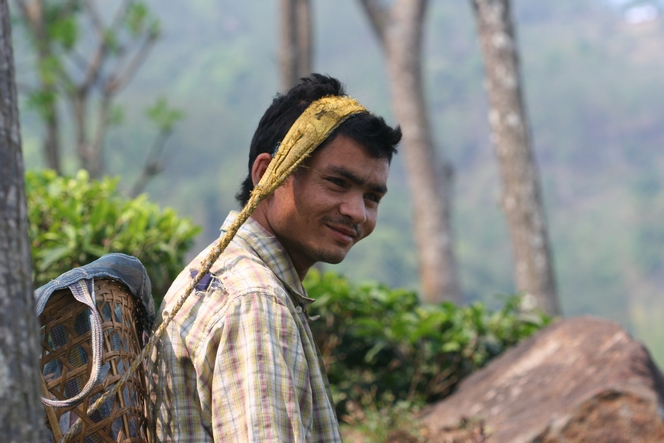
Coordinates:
<point>271,252</point>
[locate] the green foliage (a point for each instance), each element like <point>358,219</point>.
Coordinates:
<point>74,221</point>
<point>64,31</point>
<point>43,101</point>
<point>162,115</point>
<point>139,21</point>
<point>394,423</point>
<point>116,115</point>
<point>382,342</point>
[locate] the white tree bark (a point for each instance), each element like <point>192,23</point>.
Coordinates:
<point>399,29</point>
<point>21,414</point>
<point>521,195</point>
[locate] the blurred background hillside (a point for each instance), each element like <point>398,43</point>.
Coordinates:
<point>594,90</point>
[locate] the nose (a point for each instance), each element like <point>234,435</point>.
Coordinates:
<point>354,208</point>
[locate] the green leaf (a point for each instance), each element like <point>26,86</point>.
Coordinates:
<point>116,115</point>
<point>162,115</point>
<point>64,31</point>
<point>52,255</point>
<point>42,101</point>
<point>135,18</point>
<point>369,357</point>
<point>451,346</point>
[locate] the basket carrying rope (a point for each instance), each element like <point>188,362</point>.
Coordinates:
<point>81,293</point>
<point>313,127</point>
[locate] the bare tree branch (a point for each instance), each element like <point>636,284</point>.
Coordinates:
<point>118,81</point>
<point>154,163</point>
<point>78,60</point>
<point>96,20</point>
<point>379,17</point>
<point>95,166</point>
<point>33,12</point>
<point>121,51</point>
<point>120,14</point>
<point>23,6</point>
<point>97,60</point>
<point>79,110</point>
<point>68,8</point>
<point>67,85</point>
<point>113,83</point>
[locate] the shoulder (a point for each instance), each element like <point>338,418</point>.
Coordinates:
<point>239,287</point>
<point>238,272</point>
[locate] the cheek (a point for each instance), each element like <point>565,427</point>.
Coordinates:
<point>313,200</point>
<point>370,224</point>
<point>281,204</point>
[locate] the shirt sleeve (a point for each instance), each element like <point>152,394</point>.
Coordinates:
<point>261,386</point>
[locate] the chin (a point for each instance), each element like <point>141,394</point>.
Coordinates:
<point>333,258</point>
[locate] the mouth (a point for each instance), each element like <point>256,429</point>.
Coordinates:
<point>347,235</point>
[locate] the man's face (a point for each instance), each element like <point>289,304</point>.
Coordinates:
<point>328,205</point>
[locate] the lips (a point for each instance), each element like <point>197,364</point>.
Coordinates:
<point>347,234</point>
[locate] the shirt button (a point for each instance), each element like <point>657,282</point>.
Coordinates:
<point>298,309</point>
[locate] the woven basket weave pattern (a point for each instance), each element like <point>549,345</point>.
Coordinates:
<point>66,363</point>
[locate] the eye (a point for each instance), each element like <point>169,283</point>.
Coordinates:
<point>372,197</point>
<point>340,182</point>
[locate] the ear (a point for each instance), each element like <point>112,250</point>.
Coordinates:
<point>260,166</point>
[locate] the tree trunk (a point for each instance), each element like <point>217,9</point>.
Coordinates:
<point>429,177</point>
<point>21,414</point>
<point>295,49</point>
<point>521,196</point>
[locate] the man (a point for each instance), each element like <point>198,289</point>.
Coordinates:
<point>238,363</point>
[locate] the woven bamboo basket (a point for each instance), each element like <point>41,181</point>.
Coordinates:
<point>66,362</point>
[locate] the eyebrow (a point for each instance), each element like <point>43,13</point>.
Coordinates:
<point>357,180</point>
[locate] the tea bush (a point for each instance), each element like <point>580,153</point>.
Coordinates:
<point>382,346</point>
<point>75,220</point>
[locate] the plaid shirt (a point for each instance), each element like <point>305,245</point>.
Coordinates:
<point>238,363</point>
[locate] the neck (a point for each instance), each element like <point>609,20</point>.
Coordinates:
<point>300,268</point>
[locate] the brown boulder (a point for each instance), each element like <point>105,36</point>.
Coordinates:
<point>582,379</point>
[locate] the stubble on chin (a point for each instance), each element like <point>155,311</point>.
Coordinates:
<point>332,259</point>
<point>322,255</point>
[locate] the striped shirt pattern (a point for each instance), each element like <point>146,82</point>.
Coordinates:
<point>238,363</point>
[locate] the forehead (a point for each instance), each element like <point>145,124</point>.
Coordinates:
<point>344,152</point>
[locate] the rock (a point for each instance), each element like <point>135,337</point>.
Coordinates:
<point>464,432</point>
<point>582,379</point>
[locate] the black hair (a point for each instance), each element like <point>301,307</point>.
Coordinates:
<point>370,131</point>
